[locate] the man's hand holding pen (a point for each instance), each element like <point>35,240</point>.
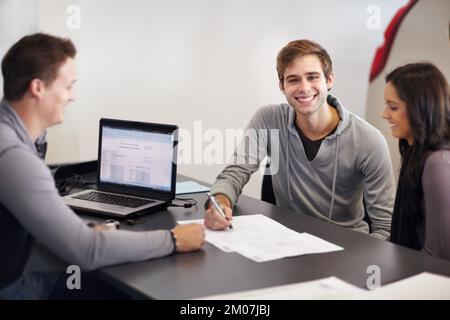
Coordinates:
<point>214,219</point>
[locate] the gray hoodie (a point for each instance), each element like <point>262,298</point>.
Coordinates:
<point>351,163</point>
<point>31,209</point>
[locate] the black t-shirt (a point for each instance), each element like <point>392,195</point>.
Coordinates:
<point>311,146</point>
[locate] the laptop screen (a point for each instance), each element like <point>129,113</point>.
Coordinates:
<point>136,156</point>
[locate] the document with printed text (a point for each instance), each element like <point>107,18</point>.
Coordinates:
<point>261,239</point>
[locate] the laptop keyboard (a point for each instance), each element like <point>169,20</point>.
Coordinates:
<point>124,201</point>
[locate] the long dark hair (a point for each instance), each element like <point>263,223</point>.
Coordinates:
<point>426,93</point>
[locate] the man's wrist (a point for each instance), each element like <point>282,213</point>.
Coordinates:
<point>224,200</point>
<point>174,241</point>
<point>221,199</point>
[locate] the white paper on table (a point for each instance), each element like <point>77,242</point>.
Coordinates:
<point>261,239</point>
<point>324,289</point>
<point>423,286</point>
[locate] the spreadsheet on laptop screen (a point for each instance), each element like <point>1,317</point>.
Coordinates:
<point>136,158</point>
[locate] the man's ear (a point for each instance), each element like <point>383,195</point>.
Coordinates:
<point>330,81</point>
<point>36,88</point>
<point>281,85</point>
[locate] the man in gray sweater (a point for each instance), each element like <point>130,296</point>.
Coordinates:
<point>327,160</point>
<point>39,74</point>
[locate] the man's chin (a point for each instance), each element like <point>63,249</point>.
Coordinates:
<point>306,110</point>
<point>56,122</point>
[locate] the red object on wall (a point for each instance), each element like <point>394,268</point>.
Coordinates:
<point>382,54</point>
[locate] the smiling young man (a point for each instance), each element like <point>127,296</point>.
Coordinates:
<point>330,162</point>
<point>39,74</point>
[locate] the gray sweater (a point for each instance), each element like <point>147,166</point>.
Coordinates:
<point>436,204</point>
<point>31,208</point>
<point>351,163</point>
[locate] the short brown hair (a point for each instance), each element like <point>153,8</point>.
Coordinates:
<point>299,48</point>
<point>34,56</point>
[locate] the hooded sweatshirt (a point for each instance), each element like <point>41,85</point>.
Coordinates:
<point>352,164</point>
<point>31,209</point>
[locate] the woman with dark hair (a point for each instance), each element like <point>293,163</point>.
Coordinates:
<point>417,108</point>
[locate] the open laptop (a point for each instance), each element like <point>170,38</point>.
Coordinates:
<point>136,171</point>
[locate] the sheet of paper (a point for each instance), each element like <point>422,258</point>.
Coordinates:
<point>190,187</point>
<point>423,286</point>
<point>261,239</point>
<point>324,289</point>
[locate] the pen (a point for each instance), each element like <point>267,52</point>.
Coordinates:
<point>218,208</point>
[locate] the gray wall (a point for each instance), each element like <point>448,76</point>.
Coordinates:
<point>183,61</point>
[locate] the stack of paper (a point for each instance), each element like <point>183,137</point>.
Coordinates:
<point>261,239</point>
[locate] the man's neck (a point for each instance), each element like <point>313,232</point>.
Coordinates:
<point>25,112</point>
<point>319,124</point>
